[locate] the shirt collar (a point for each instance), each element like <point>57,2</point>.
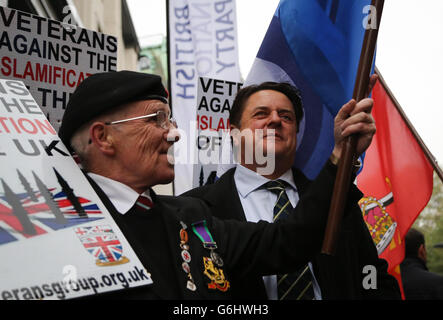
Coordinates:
<point>247,180</point>
<point>121,196</point>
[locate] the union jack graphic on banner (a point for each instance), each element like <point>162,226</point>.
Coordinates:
<point>68,208</point>
<point>103,244</point>
<point>40,215</point>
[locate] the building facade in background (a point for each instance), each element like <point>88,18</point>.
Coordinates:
<point>154,59</point>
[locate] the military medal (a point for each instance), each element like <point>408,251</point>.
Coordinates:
<point>213,264</point>
<point>186,256</point>
<point>216,258</point>
<point>201,230</point>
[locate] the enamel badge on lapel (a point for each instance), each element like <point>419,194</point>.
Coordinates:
<point>216,276</point>
<point>213,263</point>
<point>186,256</point>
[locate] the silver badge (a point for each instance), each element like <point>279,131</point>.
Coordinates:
<point>191,285</point>
<point>215,257</point>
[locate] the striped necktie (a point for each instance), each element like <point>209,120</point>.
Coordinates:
<point>143,203</point>
<point>297,285</point>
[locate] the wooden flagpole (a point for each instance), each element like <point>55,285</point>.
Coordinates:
<point>414,132</point>
<point>345,165</point>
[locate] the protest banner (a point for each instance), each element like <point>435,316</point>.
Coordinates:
<point>51,58</point>
<point>202,42</point>
<point>57,239</point>
<point>214,102</point>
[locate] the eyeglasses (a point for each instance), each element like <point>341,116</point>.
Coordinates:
<point>162,118</point>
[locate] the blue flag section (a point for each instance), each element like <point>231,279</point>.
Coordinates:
<point>315,45</point>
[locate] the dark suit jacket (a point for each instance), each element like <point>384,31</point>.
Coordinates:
<point>248,249</point>
<point>418,282</point>
<point>340,276</point>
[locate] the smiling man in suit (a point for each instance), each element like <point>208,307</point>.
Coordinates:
<point>271,113</point>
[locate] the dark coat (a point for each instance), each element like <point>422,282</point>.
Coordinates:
<point>248,249</point>
<point>340,276</point>
<point>418,282</point>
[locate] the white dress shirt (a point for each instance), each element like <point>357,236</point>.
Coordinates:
<point>121,196</point>
<point>258,204</point>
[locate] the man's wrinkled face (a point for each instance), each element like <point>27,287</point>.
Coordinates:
<point>142,145</point>
<point>271,113</point>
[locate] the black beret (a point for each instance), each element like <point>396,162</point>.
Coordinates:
<point>101,92</point>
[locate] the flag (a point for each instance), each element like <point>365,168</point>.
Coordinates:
<point>40,215</point>
<point>316,46</point>
<point>396,180</point>
<point>202,40</point>
<point>102,243</point>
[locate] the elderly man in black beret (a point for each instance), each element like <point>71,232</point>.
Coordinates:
<point>119,125</point>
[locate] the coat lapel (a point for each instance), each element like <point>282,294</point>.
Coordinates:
<point>301,182</point>
<point>224,199</point>
<point>172,223</point>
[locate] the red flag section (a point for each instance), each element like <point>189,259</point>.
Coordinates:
<point>396,181</point>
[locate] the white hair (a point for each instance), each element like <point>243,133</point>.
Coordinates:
<point>80,140</point>
<point>79,143</point>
